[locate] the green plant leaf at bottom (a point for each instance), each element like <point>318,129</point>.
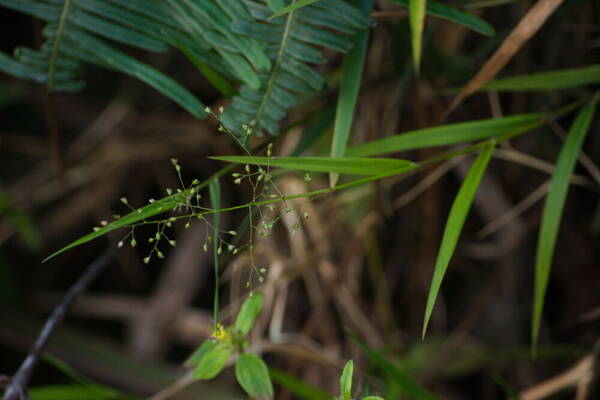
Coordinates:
<point>213,361</point>
<point>252,374</point>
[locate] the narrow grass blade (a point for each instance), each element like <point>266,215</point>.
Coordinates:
<point>292,7</point>
<point>455,15</point>
<point>355,166</point>
<point>150,210</point>
<point>214,191</point>
<point>456,220</point>
<point>349,87</point>
<point>553,208</point>
<point>449,134</point>
<point>416,13</point>
<point>549,80</point>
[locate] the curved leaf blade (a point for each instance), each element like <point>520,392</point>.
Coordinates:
<point>454,224</point>
<point>553,209</point>
<point>352,70</point>
<point>548,80</point>
<point>252,374</point>
<point>449,134</point>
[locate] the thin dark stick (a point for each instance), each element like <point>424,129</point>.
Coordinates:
<point>17,388</point>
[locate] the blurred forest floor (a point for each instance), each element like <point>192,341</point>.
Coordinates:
<point>360,265</point>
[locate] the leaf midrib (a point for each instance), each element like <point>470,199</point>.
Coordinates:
<point>57,39</point>
<point>278,60</point>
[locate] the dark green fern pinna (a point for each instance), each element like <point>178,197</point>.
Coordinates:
<point>272,58</point>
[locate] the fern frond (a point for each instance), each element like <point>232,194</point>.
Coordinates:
<point>291,39</point>
<point>77,30</point>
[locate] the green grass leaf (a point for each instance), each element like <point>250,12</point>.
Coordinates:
<point>297,386</point>
<point>456,220</point>
<point>355,166</point>
<point>213,361</point>
<point>292,7</point>
<point>252,374</point>
<point>549,80</point>
<point>352,70</point>
<point>346,381</point>
<point>416,13</point>
<point>455,15</point>
<point>150,210</point>
<point>462,132</point>
<point>553,209</point>
<point>248,313</point>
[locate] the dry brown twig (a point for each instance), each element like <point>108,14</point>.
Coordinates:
<point>579,376</point>
<point>527,27</point>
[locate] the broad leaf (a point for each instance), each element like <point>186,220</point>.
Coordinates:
<point>214,361</point>
<point>200,352</point>
<point>248,313</point>
<point>252,374</point>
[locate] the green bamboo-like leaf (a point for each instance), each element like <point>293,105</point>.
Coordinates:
<point>252,374</point>
<point>462,132</point>
<point>213,361</point>
<point>416,13</point>
<point>352,69</point>
<point>548,80</point>
<point>248,313</point>
<point>355,166</point>
<point>150,210</point>
<point>346,381</point>
<point>292,7</point>
<point>455,15</point>
<point>200,352</point>
<point>297,386</point>
<point>454,224</point>
<point>553,209</point>
<point>372,398</point>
